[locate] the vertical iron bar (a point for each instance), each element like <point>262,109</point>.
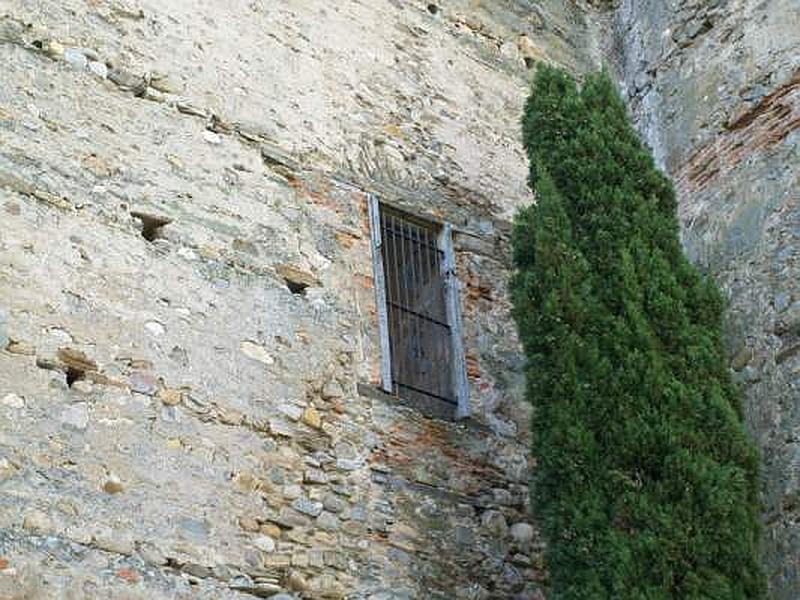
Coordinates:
<point>425,371</point>
<point>429,341</point>
<point>414,370</point>
<point>435,312</point>
<point>390,285</point>
<point>403,339</point>
<point>397,339</point>
<point>441,345</point>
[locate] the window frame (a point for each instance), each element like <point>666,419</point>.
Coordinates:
<point>452,295</point>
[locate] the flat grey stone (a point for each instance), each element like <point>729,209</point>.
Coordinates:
<point>307,507</point>
<point>522,533</point>
<point>75,58</point>
<point>76,416</point>
<point>99,69</point>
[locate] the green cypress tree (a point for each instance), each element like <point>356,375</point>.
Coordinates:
<point>646,483</point>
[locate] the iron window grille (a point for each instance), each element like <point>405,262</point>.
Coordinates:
<point>417,294</point>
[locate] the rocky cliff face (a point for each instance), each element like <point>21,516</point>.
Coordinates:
<point>715,89</point>
<point>187,312</point>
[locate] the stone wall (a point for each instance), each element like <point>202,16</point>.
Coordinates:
<point>188,382</point>
<point>177,422</point>
<point>715,88</point>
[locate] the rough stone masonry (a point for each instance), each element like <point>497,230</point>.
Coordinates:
<point>715,88</point>
<point>188,381</point>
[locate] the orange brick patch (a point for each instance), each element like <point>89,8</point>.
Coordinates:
<point>473,366</point>
<point>752,130</point>
<point>364,281</point>
<point>347,239</point>
<point>129,575</point>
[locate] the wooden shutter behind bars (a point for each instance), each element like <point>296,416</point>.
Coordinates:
<point>418,299</point>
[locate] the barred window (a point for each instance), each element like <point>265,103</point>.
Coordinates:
<point>417,293</point>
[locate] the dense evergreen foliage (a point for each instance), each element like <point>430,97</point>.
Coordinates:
<point>646,484</point>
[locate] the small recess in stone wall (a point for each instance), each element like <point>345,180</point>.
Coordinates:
<point>75,364</point>
<point>296,287</point>
<point>296,279</point>
<point>151,224</point>
<point>74,375</point>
